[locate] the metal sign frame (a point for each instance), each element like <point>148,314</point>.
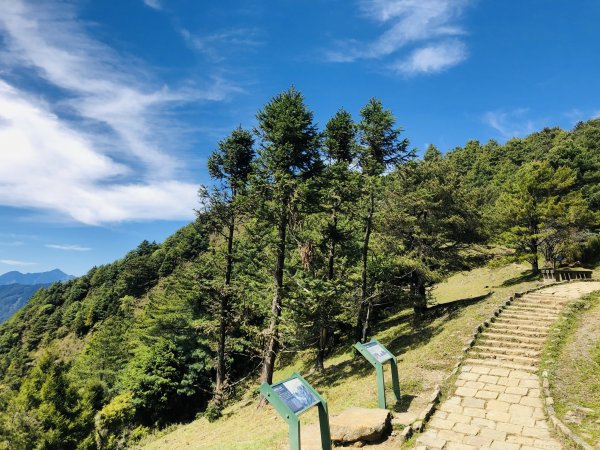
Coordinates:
<point>364,350</point>
<point>293,418</point>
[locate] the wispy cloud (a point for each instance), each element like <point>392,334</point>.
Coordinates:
<point>69,247</point>
<point>16,263</point>
<point>115,161</point>
<point>432,28</point>
<point>154,4</point>
<point>514,123</point>
<point>216,45</point>
<point>433,58</point>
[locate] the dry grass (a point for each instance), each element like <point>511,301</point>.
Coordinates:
<point>572,357</point>
<point>427,351</point>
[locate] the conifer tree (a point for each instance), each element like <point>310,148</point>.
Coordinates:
<point>230,165</point>
<point>288,157</point>
<point>380,148</point>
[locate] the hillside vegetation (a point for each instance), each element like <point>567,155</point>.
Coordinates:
<point>427,351</point>
<point>308,240</point>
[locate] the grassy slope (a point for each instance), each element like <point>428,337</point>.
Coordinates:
<point>572,357</point>
<point>427,352</point>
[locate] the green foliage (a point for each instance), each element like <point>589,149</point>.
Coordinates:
<point>113,421</point>
<point>317,238</point>
<point>540,211</point>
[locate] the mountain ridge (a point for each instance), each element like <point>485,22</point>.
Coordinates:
<point>17,288</point>
<point>51,276</point>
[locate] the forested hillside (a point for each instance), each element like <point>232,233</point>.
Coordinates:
<point>306,239</point>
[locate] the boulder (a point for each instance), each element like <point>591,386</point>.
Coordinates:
<point>360,424</point>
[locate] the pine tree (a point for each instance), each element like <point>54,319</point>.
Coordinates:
<point>288,157</point>
<point>380,148</point>
<point>230,165</point>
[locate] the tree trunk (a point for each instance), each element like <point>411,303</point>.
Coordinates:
<point>420,296</point>
<point>220,381</point>
<point>322,341</point>
<point>535,269</point>
<point>361,331</point>
<point>271,347</point>
<point>365,330</point>
<point>319,363</point>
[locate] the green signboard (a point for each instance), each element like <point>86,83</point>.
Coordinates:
<point>292,397</point>
<point>378,355</point>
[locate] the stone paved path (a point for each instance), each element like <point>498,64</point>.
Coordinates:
<point>497,402</point>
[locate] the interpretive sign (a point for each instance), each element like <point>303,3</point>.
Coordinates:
<point>295,394</point>
<point>292,397</point>
<point>377,355</point>
<point>378,352</point>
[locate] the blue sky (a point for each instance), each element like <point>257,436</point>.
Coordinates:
<point>109,109</point>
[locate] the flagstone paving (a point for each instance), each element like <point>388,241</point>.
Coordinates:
<point>497,402</point>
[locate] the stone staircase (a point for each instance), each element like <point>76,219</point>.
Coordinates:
<point>515,339</point>
<point>497,401</point>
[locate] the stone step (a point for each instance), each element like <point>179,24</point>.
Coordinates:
<point>537,307</point>
<point>516,330</point>
<point>534,301</point>
<point>536,304</point>
<point>529,353</point>
<point>520,314</point>
<point>525,360</point>
<point>523,321</point>
<point>498,363</point>
<point>485,341</point>
<point>539,312</point>
<point>510,336</point>
<point>522,326</point>
<point>546,296</point>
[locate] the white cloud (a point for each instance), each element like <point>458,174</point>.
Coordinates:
<point>68,247</point>
<point>410,23</point>
<point>433,58</point>
<point>511,123</point>
<point>14,262</point>
<point>216,45</point>
<point>116,161</point>
<point>154,4</point>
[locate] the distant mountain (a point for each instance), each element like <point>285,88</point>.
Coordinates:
<point>14,296</point>
<point>16,288</point>
<point>52,276</point>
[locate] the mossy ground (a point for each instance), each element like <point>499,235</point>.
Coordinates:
<point>427,350</point>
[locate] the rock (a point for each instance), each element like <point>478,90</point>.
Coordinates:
<point>585,411</point>
<point>571,417</point>
<point>360,424</point>
<point>404,419</point>
<point>358,444</point>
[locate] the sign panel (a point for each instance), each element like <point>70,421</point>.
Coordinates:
<point>378,352</point>
<point>377,355</point>
<point>292,397</point>
<point>295,394</point>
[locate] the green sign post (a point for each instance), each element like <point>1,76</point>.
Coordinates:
<point>377,355</point>
<point>292,397</point>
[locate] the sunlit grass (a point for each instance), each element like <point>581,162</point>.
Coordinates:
<point>427,350</point>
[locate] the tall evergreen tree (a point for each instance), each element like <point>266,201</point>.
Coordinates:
<point>380,148</point>
<point>339,150</point>
<point>230,165</point>
<point>288,156</point>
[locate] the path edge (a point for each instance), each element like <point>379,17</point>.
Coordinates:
<point>419,425</point>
